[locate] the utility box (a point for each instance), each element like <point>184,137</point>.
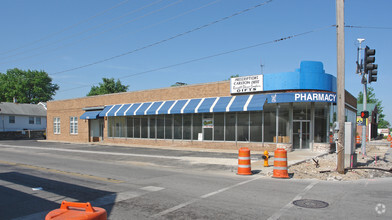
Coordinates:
<point>350,158</point>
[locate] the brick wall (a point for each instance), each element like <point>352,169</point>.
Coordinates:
<point>64,109</point>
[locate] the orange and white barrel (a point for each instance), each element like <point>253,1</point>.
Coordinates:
<point>280,164</point>
<point>244,161</point>
<point>358,139</point>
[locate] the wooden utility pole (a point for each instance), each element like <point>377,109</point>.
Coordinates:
<point>340,83</point>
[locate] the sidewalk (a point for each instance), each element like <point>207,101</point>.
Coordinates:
<point>293,158</point>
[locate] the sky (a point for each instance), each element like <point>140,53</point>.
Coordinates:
<point>156,43</point>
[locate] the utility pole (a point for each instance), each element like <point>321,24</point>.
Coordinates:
<point>340,83</point>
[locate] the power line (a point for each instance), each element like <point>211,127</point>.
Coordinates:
<point>368,27</point>
<point>212,56</point>
<point>141,29</point>
<point>89,29</point>
<point>165,40</point>
<point>66,28</point>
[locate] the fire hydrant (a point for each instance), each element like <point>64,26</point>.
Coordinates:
<point>265,157</point>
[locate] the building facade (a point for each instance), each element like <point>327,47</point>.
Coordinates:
<point>19,117</point>
<point>293,110</point>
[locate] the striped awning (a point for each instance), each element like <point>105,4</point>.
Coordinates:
<point>237,103</point>
<point>186,106</point>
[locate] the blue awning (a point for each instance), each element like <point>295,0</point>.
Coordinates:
<point>113,110</point>
<point>122,110</point>
<point>153,108</point>
<point>105,110</point>
<point>90,115</point>
<point>256,103</point>
<point>176,108</point>
<point>165,107</point>
<point>132,109</point>
<point>143,108</point>
<point>238,104</point>
<point>206,105</point>
<point>190,108</point>
<point>222,104</point>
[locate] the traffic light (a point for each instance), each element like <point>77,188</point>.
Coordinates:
<point>364,114</point>
<point>369,66</point>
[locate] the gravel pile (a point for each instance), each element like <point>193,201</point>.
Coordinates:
<point>376,158</point>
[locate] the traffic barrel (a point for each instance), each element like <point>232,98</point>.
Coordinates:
<point>330,139</point>
<point>76,210</point>
<point>358,139</point>
<point>244,161</point>
<point>280,164</point>
<point>391,143</point>
<point>389,138</point>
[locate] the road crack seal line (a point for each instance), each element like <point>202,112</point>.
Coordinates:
<point>104,179</point>
<point>202,197</point>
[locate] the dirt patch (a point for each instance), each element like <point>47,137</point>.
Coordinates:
<point>376,158</point>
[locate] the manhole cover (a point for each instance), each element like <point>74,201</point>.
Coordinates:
<point>310,203</point>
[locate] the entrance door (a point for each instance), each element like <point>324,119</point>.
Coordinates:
<point>301,134</point>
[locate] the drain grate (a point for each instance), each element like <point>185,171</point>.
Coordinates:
<point>310,203</point>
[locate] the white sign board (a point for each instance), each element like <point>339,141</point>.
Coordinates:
<point>246,84</point>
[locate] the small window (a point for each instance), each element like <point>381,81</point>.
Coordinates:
<point>31,120</point>
<point>56,125</point>
<point>11,119</point>
<point>73,125</point>
<point>38,120</point>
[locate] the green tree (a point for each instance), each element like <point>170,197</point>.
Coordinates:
<point>108,86</point>
<point>371,98</point>
<point>179,84</point>
<point>234,76</point>
<point>29,86</point>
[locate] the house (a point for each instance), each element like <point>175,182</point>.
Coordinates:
<point>17,117</point>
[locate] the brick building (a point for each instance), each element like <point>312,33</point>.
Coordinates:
<point>293,110</point>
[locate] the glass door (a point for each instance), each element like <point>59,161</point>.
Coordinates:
<point>301,134</point>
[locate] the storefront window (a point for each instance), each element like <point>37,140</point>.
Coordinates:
<point>137,127</point>
<point>152,126</point>
<point>130,127</point>
<point>208,125</point>
<point>230,126</point>
<point>187,126</point>
<point>177,126</point>
<point>219,122</point>
<point>320,121</point>
<point>243,126</point>
<point>160,126</point>
<point>168,127</point>
<point>144,127</point>
<point>197,121</point>
<point>284,123</point>
<point>270,123</point>
<point>256,134</point>
<point>120,127</point>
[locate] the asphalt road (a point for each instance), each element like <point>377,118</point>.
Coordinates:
<point>143,183</point>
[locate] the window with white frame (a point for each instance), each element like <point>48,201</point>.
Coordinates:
<point>11,119</point>
<point>56,125</point>
<point>73,125</point>
<point>31,120</point>
<point>38,120</point>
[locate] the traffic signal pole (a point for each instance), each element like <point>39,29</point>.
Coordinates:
<point>363,146</point>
